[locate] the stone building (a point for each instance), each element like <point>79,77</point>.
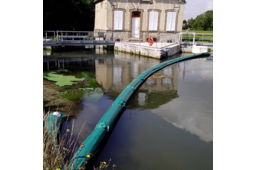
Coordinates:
<point>135,18</point>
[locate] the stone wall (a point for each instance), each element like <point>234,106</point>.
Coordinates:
<point>143,50</point>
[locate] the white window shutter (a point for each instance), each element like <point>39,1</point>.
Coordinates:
<point>173,20</point>
<point>155,23</point>
<point>168,21</point>
<point>116,20</point>
<point>151,20</point>
<point>120,20</point>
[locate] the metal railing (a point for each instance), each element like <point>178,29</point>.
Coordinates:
<point>94,37</point>
<point>78,37</point>
<point>192,38</point>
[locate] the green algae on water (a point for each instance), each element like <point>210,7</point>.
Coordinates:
<point>61,80</point>
<point>78,94</point>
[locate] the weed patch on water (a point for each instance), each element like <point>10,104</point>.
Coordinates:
<point>61,80</point>
<point>73,95</point>
<point>84,74</point>
<point>92,82</point>
<point>89,81</point>
<point>78,94</point>
<point>77,85</point>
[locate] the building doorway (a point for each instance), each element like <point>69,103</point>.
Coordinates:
<point>136,24</point>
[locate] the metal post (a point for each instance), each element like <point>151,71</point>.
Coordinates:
<point>202,38</point>
<point>46,37</point>
<point>194,38</point>
<point>180,38</point>
<point>54,35</point>
<point>186,41</point>
<point>189,38</point>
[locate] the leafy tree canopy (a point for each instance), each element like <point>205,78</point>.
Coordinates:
<point>203,21</point>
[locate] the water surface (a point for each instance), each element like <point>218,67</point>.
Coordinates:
<point>168,123</point>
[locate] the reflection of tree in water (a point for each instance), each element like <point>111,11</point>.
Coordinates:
<point>151,100</point>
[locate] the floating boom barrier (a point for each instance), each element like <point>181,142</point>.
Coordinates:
<point>105,124</point>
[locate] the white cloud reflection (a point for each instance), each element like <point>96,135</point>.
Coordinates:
<point>191,120</point>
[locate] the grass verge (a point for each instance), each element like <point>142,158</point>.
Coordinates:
<point>198,31</point>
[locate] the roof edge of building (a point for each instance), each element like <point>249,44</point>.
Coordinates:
<point>96,1</point>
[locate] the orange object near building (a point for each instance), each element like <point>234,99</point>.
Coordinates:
<point>150,41</point>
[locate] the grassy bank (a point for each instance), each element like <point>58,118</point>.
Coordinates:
<point>199,31</point>
<point>198,37</point>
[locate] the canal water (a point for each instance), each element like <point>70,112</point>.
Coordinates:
<point>168,123</point>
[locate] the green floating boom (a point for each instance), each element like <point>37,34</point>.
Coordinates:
<point>52,124</point>
<point>92,142</point>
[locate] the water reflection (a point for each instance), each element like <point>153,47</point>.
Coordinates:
<point>79,63</point>
<point>170,116</point>
<point>196,114</point>
<point>115,74</point>
<point>158,93</point>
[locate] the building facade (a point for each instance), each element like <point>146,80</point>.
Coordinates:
<point>136,17</point>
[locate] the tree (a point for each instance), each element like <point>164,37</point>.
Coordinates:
<point>203,21</point>
<point>199,23</point>
<point>68,15</point>
<point>191,23</point>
